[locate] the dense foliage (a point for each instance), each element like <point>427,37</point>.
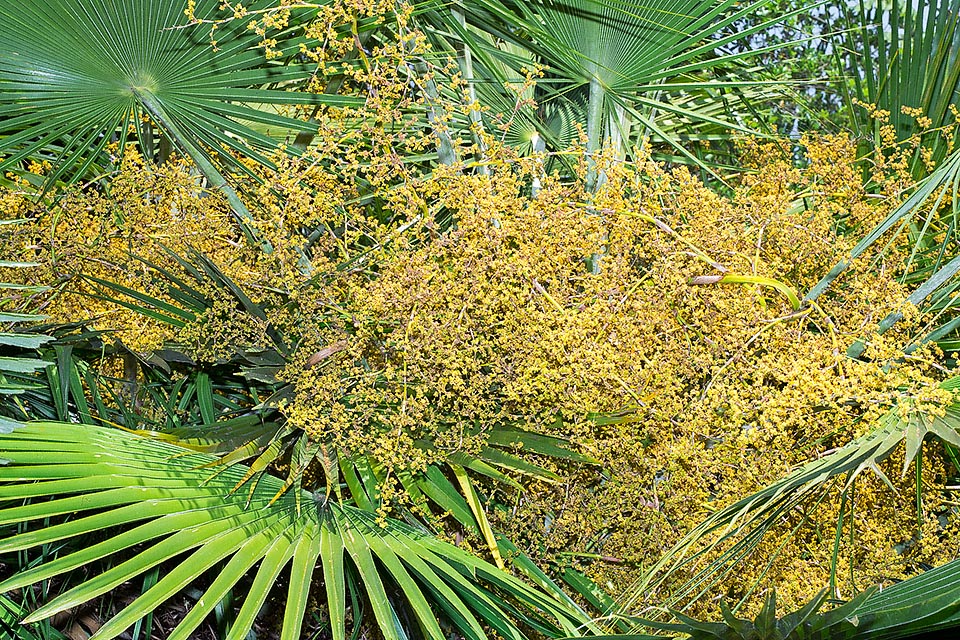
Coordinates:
<point>446,366</point>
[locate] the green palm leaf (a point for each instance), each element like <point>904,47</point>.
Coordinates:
<point>632,67</point>
<point>905,55</point>
<point>158,507</point>
<point>925,603</point>
<point>76,75</point>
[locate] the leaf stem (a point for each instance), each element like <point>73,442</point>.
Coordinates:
<point>733,278</point>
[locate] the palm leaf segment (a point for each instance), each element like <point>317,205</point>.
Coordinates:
<point>638,63</point>
<point>18,370</point>
<point>76,75</point>
<point>180,517</point>
<point>19,363</point>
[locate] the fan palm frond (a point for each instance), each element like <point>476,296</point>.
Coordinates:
<point>636,65</point>
<point>78,75</point>
<point>905,55</point>
<point>165,508</point>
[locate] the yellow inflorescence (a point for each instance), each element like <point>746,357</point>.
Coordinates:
<point>654,299</point>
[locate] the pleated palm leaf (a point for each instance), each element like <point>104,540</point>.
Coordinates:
<point>906,55</point>
<point>25,392</point>
<point>18,366</point>
<point>924,604</point>
<point>158,504</point>
<point>635,64</point>
<point>78,75</point>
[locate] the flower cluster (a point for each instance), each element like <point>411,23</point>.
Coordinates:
<point>653,321</point>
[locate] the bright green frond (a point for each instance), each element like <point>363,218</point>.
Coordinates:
<point>160,507</point>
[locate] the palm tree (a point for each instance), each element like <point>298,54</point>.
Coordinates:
<point>623,71</point>
<point>101,73</point>
<point>172,497</point>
